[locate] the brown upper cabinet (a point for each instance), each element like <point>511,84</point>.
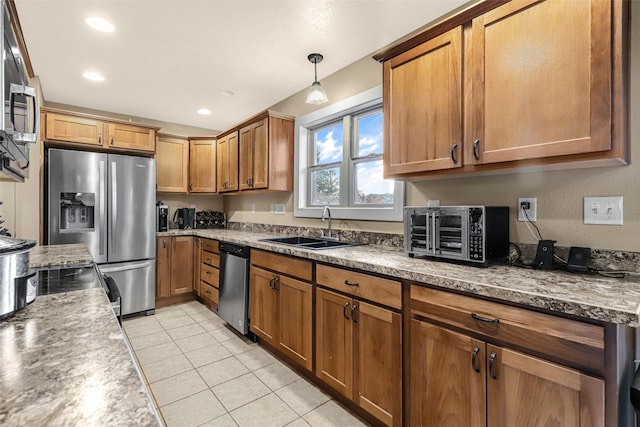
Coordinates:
<point>172,164</point>
<point>202,165</point>
<point>423,107</point>
<point>227,163</point>
<point>266,153</point>
<point>84,129</point>
<point>542,83</point>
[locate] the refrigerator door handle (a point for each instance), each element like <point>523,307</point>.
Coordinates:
<point>114,205</point>
<point>125,268</point>
<point>102,211</point>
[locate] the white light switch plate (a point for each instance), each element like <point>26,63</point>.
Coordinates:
<point>603,210</point>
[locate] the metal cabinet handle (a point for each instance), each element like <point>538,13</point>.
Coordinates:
<point>276,283</point>
<point>476,154</point>
<point>492,366</point>
<point>485,319</point>
<point>100,139</point>
<point>348,283</point>
<point>112,140</point>
<point>190,187</point>
<point>454,157</point>
<point>474,357</point>
<point>353,311</point>
<point>344,311</point>
<point>164,243</point>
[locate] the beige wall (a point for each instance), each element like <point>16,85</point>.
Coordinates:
<point>559,193</point>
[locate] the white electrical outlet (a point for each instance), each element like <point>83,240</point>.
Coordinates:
<point>277,208</point>
<point>603,210</point>
<point>531,213</point>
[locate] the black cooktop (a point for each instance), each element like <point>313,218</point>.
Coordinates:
<point>67,279</point>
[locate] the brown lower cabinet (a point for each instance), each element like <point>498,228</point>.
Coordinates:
<point>281,313</point>
<point>457,380</point>
<point>208,277</point>
<point>478,376</point>
<point>174,266</point>
<point>358,353</point>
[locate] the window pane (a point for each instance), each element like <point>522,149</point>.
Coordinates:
<point>369,138</point>
<point>325,187</point>
<point>328,144</point>
<point>371,188</point>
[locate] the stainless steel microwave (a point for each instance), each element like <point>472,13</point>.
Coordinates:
<point>477,235</point>
<point>19,123</point>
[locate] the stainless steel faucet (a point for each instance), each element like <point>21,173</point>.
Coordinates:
<point>326,213</point>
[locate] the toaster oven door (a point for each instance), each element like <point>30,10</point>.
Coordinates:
<point>452,231</point>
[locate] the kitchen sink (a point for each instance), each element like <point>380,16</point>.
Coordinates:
<point>314,243</point>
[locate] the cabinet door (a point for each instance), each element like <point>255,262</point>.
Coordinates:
<point>131,137</point>
<point>295,320</point>
<point>181,265</point>
<point>60,127</point>
<point>172,165</point>
<point>525,391</point>
<point>263,304</point>
<point>163,267</point>
<point>196,265</point>
<point>541,80</point>
<point>334,341</point>
<point>222,164</point>
<point>232,143</point>
<point>423,107</point>
<point>202,166</point>
<point>447,384</point>
<point>378,361</point>
<point>254,156</point>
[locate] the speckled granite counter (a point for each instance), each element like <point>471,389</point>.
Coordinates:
<point>592,297</point>
<point>64,361</point>
<point>60,256</point>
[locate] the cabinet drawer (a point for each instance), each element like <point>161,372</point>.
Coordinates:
<point>290,266</point>
<point>209,274</point>
<point>210,245</point>
<point>210,259</point>
<point>377,289</point>
<point>570,340</point>
<point>208,292</point>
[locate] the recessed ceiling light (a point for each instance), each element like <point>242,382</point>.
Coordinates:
<point>94,77</point>
<point>100,24</point>
<point>204,112</point>
<point>227,93</point>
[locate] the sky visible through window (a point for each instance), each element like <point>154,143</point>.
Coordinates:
<point>371,188</point>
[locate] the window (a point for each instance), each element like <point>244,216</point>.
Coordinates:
<point>339,162</point>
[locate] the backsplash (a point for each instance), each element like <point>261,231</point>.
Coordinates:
<point>367,237</point>
<point>601,259</point>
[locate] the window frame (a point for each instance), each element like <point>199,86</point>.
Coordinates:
<point>304,126</point>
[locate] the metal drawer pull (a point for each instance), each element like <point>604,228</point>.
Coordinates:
<point>454,157</point>
<point>346,282</point>
<point>492,366</point>
<point>344,311</point>
<point>476,155</point>
<point>353,310</point>
<point>474,356</point>
<point>484,319</point>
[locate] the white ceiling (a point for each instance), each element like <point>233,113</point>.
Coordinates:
<point>168,58</point>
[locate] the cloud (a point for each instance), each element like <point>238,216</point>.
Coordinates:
<point>329,149</point>
<point>369,144</point>
<point>370,179</point>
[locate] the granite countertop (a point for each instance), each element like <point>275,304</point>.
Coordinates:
<point>65,362</point>
<point>588,296</point>
<point>60,256</point>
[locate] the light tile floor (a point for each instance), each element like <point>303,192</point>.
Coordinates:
<point>201,373</point>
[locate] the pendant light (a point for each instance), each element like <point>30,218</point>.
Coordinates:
<point>316,94</point>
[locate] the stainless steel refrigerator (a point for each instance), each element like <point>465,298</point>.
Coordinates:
<point>107,201</point>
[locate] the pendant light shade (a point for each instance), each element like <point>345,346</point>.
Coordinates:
<point>316,94</point>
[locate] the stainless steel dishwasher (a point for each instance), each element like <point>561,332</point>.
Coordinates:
<point>233,304</point>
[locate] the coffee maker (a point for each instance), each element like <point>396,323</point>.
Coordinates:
<point>162,217</point>
<point>185,218</point>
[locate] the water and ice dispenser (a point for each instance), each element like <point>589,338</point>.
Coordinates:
<point>77,212</point>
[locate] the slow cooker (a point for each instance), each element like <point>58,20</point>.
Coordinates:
<point>18,285</point>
